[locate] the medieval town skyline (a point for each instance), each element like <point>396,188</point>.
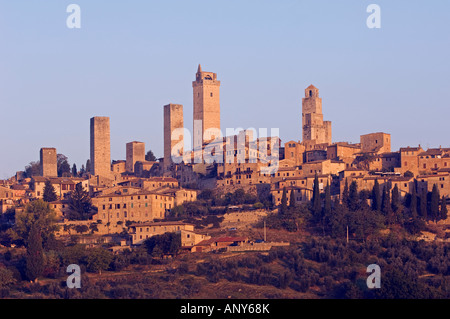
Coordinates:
<point>384,87</point>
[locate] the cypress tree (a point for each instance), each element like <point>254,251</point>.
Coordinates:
<point>353,199</point>
<point>317,205</point>
<point>345,194</point>
<point>395,199</point>
<point>292,203</point>
<point>283,207</point>
<point>423,204</point>
<point>376,196</point>
<point>35,254</point>
<point>386,201</point>
<point>434,203</point>
<point>443,212</point>
<point>413,204</point>
<point>327,205</point>
<point>74,170</point>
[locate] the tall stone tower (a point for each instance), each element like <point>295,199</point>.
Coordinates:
<point>314,127</point>
<point>135,152</point>
<point>173,119</point>
<point>100,146</point>
<point>48,162</point>
<point>206,105</point>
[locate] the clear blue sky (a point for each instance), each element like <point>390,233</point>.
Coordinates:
<point>131,57</point>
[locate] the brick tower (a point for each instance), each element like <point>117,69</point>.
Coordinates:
<point>48,162</point>
<point>206,105</point>
<point>173,119</point>
<point>135,152</point>
<point>100,146</point>
<point>314,127</point>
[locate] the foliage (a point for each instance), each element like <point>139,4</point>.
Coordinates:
<point>49,192</point>
<point>80,204</point>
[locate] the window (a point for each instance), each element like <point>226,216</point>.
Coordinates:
<point>211,94</point>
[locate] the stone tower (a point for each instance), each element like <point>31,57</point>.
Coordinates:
<point>173,119</point>
<point>48,162</point>
<point>206,106</point>
<point>135,152</point>
<point>100,146</point>
<point>314,127</point>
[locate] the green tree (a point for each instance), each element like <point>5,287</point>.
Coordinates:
<point>35,254</point>
<point>49,192</point>
<point>98,259</point>
<point>386,207</point>
<point>376,196</point>
<point>423,204</point>
<point>165,244</point>
<point>6,278</point>
<point>443,211</point>
<point>283,207</point>
<point>316,202</point>
<point>88,166</point>
<point>413,203</point>
<point>80,204</point>
<point>395,203</point>
<point>150,157</point>
<point>353,198</point>
<point>62,164</point>
<point>33,169</point>
<point>434,203</point>
<point>74,170</point>
<point>36,213</point>
<point>292,203</point>
<point>345,194</point>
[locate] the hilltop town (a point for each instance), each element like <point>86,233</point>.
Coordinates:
<point>237,193</point>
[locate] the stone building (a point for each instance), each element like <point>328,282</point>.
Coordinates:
<point>100,146</point>
<point>48,162</point>
<point>375,143</point>
<point>314,127</point>
<point>409,160</point>
<point>135,152</point>
<point>173,133</point>
<point>206,90</point>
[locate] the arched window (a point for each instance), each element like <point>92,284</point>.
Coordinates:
<point>310,93</point>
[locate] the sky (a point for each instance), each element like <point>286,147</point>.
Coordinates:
<point>129,58</point>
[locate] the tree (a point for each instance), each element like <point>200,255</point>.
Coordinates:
<point>345,194</point>
<point>82,170</point>
<point>317,205</point>
<point>33,169</point>
<point>423,204</point>
<point>98,259</point>
<point>395,204</point>
<point>444,211</point>
<point>292,203</point>
<point>353,198</point>
<point>165,244</point>
<point>6,277</point>
<point>413,203</point>
<point>88,166</point>
<point>49,192</point>
<point>386,208</point>
<point>283,207</point>
<point>434,203</point>
<point>80,204</point>
<point>74,170</point>
<point>150,157</point>
<point>36,213</point>
<point>35,254</point>
<point>376,196</point>
<point>63,166</point>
